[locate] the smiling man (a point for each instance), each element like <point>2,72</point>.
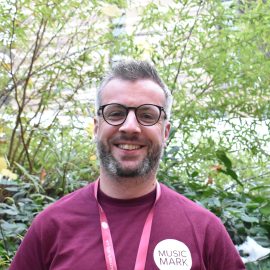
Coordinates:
<point>126,220</point>
<point>131,131</point>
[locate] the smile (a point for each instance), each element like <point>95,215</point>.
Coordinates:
<point>129,146</point>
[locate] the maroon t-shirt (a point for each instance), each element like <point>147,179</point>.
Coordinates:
<point>67,235</point>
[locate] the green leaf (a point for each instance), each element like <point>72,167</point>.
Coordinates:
<point>194,174</point>
<point>260,187</point>
<point>249,219</point>
<point>11,212</point>
<point>233,175</point>
<point>265,210</point>
<point>34,179</point>
<point>221,155</point>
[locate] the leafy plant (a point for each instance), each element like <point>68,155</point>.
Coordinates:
<point>20,202</point>
<point>213,55</point>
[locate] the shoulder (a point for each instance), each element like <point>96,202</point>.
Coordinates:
<point>192,211</point>
<point>206,229</point>
<point>173,197</point>
<point>55,228</point>
<point>77,203</point>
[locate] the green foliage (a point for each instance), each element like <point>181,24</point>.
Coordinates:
<point>20,201</point>
<point>262,265</point>
<point>214,56</point>
<point>243,210</point>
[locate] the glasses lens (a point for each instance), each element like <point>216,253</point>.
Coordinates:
<point>148,114</point>
<point>114,114</point>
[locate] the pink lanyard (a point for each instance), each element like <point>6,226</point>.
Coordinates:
<point>107,238</point>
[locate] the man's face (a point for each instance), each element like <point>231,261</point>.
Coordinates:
<point>131,149</point>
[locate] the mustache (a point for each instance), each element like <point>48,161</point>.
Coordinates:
<point>128,137</point>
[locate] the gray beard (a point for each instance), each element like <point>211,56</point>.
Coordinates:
<point>114,168</point>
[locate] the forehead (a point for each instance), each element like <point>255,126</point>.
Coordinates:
<point>132,93</point>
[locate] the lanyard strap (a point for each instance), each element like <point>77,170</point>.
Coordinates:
<point>107,238</point>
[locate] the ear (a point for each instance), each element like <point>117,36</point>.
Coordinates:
<point>166,132</point>
<point>96,126</point>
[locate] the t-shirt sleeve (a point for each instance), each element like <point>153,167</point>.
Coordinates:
<point>51,231</point>
<point>221,253</point>
<point>29,253</point>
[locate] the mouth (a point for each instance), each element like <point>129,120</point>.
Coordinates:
<point>129,146</point>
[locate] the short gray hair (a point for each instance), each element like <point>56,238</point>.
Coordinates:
<point>132,70</point>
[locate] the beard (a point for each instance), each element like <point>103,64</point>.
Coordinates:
<point>114,168</point>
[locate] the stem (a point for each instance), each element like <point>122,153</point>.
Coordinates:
<point>21,102</point>
<point>185,46</point>
<point>4,240</point>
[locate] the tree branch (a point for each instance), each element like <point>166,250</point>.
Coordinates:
<point>185,46</point>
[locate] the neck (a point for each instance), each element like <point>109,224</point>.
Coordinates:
<point>126,188</point>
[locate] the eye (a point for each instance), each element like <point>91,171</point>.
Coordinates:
<point>114,112</point>
<point>147,116</point>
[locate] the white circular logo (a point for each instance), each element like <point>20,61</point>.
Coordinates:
<point>171,254</point>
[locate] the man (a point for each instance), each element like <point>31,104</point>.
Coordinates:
<point>126,220</point>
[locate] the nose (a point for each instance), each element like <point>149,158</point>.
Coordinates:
<point>131,124</point>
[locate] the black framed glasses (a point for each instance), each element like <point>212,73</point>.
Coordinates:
<point>116,114</point>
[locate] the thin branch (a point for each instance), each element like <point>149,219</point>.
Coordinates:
<point>248,180</point>
<point>185,46</point>
<point>35,115</point>
<point>16,91</point>
<point>11,154</point>
<point>205,88</point>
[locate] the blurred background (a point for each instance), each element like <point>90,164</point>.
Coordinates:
<point>213,55</point>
